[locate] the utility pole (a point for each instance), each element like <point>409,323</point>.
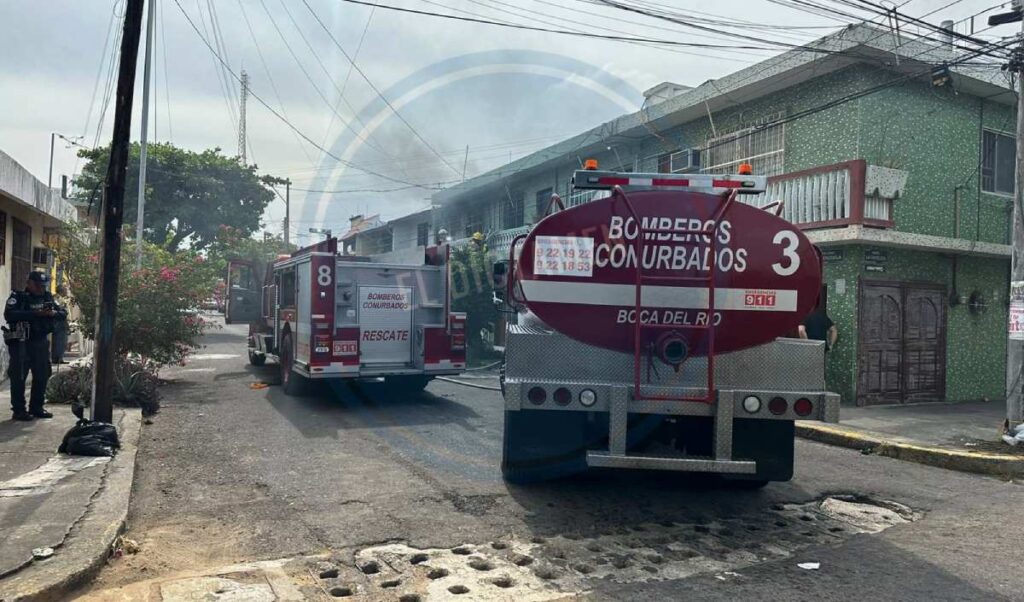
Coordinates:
<point>112,216</point>
<point>287,214</point>
<point>141,206</point>
<point>1015,340</point>
<point>243,96</point>
<point>273,182</point>
<point>49,179</point>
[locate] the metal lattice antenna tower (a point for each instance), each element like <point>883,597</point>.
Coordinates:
<point>241,116</point>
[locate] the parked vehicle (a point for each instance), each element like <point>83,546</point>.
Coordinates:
<point>325,316</point>
<point>652,332</point>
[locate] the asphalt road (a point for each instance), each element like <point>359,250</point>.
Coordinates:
<point>229,471</point>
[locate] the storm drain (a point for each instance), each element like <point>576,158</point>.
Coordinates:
<point>536,569</point>
<point>552,567</point>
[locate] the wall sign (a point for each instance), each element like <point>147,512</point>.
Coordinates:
<point>832,255</point>
<point>876,255</point>
<point>874,268</point>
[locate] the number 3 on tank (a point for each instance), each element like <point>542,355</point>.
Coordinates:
<point>791,242</point>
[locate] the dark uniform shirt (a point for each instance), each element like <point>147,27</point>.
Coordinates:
<point>21,307</point>
<point>817,326</point>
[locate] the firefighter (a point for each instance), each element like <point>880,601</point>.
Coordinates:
<point>30,316</point>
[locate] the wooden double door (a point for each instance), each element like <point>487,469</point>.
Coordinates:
<point>901,355</point>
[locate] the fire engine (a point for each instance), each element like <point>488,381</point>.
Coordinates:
<point>325,316</point>
<point>657,328</point>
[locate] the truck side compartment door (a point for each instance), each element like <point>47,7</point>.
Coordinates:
<point>242,298</point>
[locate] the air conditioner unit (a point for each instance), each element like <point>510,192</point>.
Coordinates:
<point>41,256</point>
<point>685,161</point>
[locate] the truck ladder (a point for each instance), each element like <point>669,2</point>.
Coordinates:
<point>708,281</point>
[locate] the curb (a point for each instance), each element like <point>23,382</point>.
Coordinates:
<point>88,544</point>
<point>1000,465</point>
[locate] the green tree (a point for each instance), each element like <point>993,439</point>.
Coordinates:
<point>189,195</point>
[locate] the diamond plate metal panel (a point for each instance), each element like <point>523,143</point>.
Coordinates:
<point>533,353</point>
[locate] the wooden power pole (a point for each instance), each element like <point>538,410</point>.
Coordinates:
<point>112,216</point>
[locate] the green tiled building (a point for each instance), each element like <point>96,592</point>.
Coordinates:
<point>896,158</point>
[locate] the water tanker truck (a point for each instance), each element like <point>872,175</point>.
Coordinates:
<point>654,329</point>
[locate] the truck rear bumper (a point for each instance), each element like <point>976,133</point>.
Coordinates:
<point>824,405</point>
<point>607,460</point>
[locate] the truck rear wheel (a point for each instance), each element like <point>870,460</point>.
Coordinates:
<point>292,382</point>
<point>406,385</point>
<point>542,445</point>
<point>256,359</point>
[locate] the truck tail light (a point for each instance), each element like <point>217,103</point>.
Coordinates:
<point>752,404</point>
<point>778,406</point>
<point>562,396</point>
<point>457,323</point>
<point>537,396</point>
<point>803,407</point>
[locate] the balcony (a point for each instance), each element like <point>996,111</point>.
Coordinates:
<point>837,195</point>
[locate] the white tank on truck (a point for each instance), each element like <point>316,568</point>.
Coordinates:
<point>654,329</point>
<point>326,316</point>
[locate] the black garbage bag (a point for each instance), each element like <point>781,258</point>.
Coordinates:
<point>89,438</point>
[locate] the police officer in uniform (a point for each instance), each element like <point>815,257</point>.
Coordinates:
<point>30,316</point>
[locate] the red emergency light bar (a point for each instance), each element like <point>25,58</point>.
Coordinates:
<point>585,179</point>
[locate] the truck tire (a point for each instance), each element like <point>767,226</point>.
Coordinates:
<point>256,359</point>
<point>407,385</point>
<point>770,443</point>
<point>542,445</point>
<point>292,382</point>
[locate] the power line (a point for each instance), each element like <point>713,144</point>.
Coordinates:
<point>614,38</point>
<point>348,74</point>
<point>376,90</point>
<point>167,76</point>
<point>309,78</point>
<point>270,77</point>
<point>280,117</point>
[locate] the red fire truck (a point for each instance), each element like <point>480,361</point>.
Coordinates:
<point>657,329</point>
<point>322,315</point>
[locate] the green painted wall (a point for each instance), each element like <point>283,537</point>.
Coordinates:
<point>976,342</point>
<point>841,278</point>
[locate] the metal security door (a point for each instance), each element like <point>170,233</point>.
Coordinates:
<point>385,324</point>
<point>880,347</point>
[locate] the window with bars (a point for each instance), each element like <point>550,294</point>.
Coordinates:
<point>512,216</point>
<point>474,222</point>
<point>423,234</point>
<point>998,162</point>
<point>542,200</point>
<point>762,147</point>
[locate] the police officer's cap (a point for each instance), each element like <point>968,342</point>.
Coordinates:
<point>40,277</point>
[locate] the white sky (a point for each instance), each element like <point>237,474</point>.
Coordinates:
<point>53,58</point>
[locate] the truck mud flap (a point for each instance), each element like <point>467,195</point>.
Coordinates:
<point>539,446</point>
<point>769,443</point>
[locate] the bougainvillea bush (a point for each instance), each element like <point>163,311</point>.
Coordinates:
<point>157,318</point>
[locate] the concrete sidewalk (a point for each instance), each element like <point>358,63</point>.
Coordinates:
<point>958,436</point>
<point>73,505</point>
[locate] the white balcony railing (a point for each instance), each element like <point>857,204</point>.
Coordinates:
<point>829,196</point>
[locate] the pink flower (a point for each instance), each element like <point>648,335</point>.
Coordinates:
<point>169,274</point>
